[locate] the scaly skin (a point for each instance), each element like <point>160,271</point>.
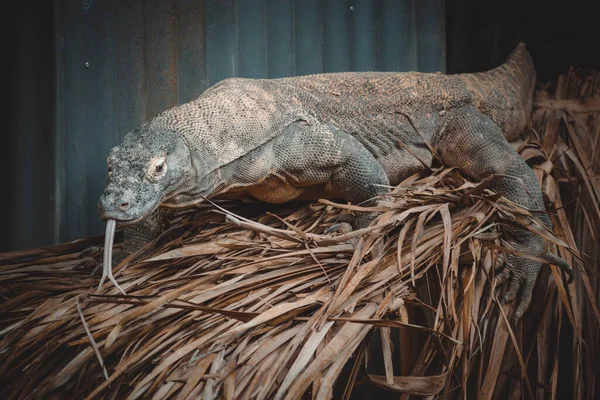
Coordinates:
<point>337,135</point>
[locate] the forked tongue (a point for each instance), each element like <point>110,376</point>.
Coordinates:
<point>109,238</point>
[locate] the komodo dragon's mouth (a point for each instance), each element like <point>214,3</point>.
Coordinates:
<point>125,222</point>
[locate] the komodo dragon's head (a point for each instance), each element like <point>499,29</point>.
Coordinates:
<point>144,171</point>
<point>149,168</point>
<point>175,159</point>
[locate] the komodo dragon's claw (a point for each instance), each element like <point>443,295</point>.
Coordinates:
<point>520,280</point>
<point>339,228</point>
<point>343,224</point>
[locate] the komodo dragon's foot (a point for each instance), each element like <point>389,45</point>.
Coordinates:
<point>521,274</point>
<point>343,224</point>
<point>349,222</point>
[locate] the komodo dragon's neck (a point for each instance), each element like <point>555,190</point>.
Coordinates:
<point>198,186</point>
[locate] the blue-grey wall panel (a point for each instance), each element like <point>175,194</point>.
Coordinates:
<point>398,36</point>
<point>76,81</point>
<point>100,110</point>
<point>161,55</point>
<point>191,46</point>
<point>90,111</point>
<point>308,32</point>
<point>280,38</point>
<point>131,74</point>
<point>123,62</point>
<point>336,43</point>
<point>221,40</point>
<point>364,29</point>
<point>251,38</point>
<point>431,35</point>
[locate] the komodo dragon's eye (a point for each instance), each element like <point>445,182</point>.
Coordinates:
<point>156,169</point>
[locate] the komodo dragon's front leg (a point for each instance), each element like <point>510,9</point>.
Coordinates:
<point>304,156</point>
<point>472,142</point>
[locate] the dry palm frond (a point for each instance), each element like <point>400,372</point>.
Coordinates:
<point>265,306</point>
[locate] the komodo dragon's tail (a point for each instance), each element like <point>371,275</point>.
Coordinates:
<point>505,93</point>
<point>519,77</point>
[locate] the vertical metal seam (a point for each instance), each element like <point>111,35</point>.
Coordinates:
<point>443,48</point>
<point>378,36</point>
<point>115,75</point>
<point>59,119</point>
<point>176,13</point>
<point>145,99</point>
<point>265,39</point>
<point>84,196</point>
<point>204,22</point>
<point>294,38</point>
<point>207,62</point>
<point>236,66</point>
<point>349,36</point>
<point>322,35</point>
<point>415,30</point>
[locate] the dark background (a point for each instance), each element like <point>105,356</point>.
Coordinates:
<point>558,34</point>
<point>478,35</point>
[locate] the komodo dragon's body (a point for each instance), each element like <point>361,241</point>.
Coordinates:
<point>349,135</point>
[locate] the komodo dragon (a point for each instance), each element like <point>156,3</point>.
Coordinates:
<point>351,135</point>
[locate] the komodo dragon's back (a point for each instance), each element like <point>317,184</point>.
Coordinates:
<point>238,115</point>
<point>503,93</point>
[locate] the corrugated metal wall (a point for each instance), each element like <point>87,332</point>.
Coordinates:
<point>121,62</point>
<point>275,38</point>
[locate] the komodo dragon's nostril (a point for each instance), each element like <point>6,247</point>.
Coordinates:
<point>124,206</point>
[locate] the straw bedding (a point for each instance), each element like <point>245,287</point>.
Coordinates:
<point>248,300</point>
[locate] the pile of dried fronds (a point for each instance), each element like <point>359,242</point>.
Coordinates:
<point>268,307</point>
